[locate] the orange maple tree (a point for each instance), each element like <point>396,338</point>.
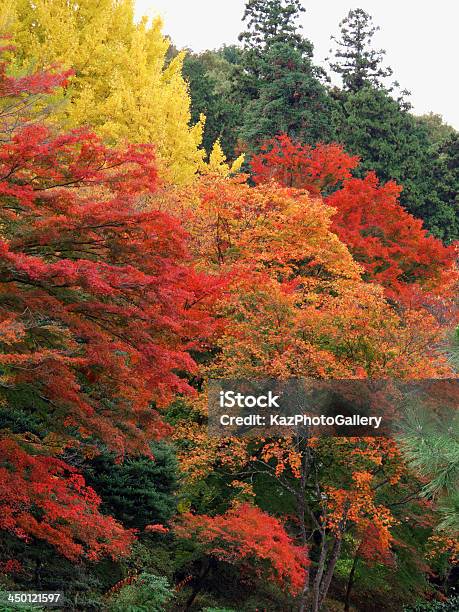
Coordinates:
<point>297,305</point>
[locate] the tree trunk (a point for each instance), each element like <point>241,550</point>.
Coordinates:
<point>350,583</point>
<point>330,570</point>
<point>318,577</point>
<point>198,584</point>
<point>301,503</point>
<point>38,566</point>
<point>304,595</point>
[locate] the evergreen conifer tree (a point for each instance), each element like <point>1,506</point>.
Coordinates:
<point>358,64</point>
<point>279,81</point>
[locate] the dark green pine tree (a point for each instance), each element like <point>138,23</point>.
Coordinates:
<point>291,99</point>
<point>430,444</point>
<point>358,64</point>
<point>280,86</point>
<point>138,491</point>
<point>434,454</point>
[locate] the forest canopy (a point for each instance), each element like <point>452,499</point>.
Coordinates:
<point>169,218</point>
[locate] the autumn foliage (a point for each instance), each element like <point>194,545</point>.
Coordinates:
<point>44,498</point>
<point>293,164</point>
<point>99,308</point>
<point>122,292</point>
<point>296,303</point>
<point>248,537</point>
<point>93,286</point>
<point>392,246</point>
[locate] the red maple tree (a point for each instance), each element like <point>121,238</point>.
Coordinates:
<point>46,499</point>
<point>100,307</point>
<point>93,288</point>
<point>293,164</point>
<point>247,536</point>
<point>392,245</point>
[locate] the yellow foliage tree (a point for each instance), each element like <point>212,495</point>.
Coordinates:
<point>124,85</point>
<point>217,162</point>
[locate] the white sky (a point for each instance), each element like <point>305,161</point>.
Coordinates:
<point>420,37</point>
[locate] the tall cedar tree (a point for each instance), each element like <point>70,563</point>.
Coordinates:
<point>273,21</point>
<point>99,308</point>
<point>290,99</point>
<point>279,79</point>
<point>355,61</point>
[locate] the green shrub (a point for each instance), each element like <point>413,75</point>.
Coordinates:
<point>147,594</point>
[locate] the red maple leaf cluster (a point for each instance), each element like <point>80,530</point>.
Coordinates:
<point>247,535</point>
